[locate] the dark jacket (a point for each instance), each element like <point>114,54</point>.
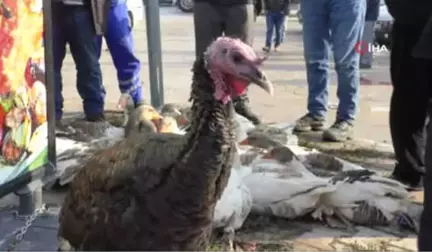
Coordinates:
<point>414,15</point>
<point>100,9</point>
<point>277,6</point>
<point>410,12</point>
<point>372,10</point>
<point>224,2</point>
<point>423,48</point>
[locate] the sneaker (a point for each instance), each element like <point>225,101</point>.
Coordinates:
<point>241,106</point>
<point>340,131</point>
<point>276,49</point>
<point>309,123</point>
<point>266,49</point>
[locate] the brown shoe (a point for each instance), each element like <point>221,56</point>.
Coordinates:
<point>309,123</point>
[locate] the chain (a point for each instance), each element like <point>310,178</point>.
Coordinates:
<point>21,231</point>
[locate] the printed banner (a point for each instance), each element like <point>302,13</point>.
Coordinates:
<point>23,120</point>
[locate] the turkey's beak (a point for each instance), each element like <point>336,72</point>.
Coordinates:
<point>244,142</point>
<point>257,76</point>
<point>156,119</point>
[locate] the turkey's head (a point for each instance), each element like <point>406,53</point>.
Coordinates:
<point>233,65</point>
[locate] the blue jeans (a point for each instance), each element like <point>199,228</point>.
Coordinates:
<point>338,23</point>
<point>274,21</point>
<point>73,25</point>
<point>119,40</point>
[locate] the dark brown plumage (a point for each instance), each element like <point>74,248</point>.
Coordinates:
<point>158,191</point>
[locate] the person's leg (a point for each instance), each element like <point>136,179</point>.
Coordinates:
<point>368,38</point>
<point>119,40</point>
<point>283,28</point>
<point>424,238</point>
<point>239,23</point>
<point>59,53</point>
<point>84,46</point>
<point>316,36</point>
<point>269,31</point>
<point>408,106</point>
<point>278,24</point>
<point>208,26</point>
<point>346,24</point>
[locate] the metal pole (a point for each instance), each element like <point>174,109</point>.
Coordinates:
<point>154,52</point>
<point>49,83</point>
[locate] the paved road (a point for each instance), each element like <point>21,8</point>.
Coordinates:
<point>285,68</point>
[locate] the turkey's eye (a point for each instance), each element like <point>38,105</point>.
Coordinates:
<point>237,58</point>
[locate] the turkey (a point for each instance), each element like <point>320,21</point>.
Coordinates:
<point>235,203</point>
<point>158,191</point>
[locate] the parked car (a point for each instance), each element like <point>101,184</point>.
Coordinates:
<point>136,11</point>
<point>184,5</point>
<point>383,26</point>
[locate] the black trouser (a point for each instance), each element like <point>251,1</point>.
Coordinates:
<point>425,236</point>
<point>408,109</point>
<point>212,21</point>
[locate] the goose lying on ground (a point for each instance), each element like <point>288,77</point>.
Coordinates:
<point>355,195</point>
<point>363,197</point>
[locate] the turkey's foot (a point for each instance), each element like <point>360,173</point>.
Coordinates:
<point>234,244</point>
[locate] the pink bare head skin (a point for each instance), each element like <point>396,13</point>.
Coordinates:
<point>233,65</point>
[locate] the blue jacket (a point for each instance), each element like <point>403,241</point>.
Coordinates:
<point>372,10</point>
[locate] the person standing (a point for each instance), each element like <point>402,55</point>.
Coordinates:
<point>338,23</point>
<point>78,23</point>
<point>423,51</point>
<point>411,81</point>
<point>233,18</point>
<point>275,10</point>
<point>119,40</point>
<point>372,13</point>
<point>257,8</point>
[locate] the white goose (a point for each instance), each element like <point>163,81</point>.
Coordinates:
<point>280,184</point>
<point>352,195</point>
<point>363,197</point>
